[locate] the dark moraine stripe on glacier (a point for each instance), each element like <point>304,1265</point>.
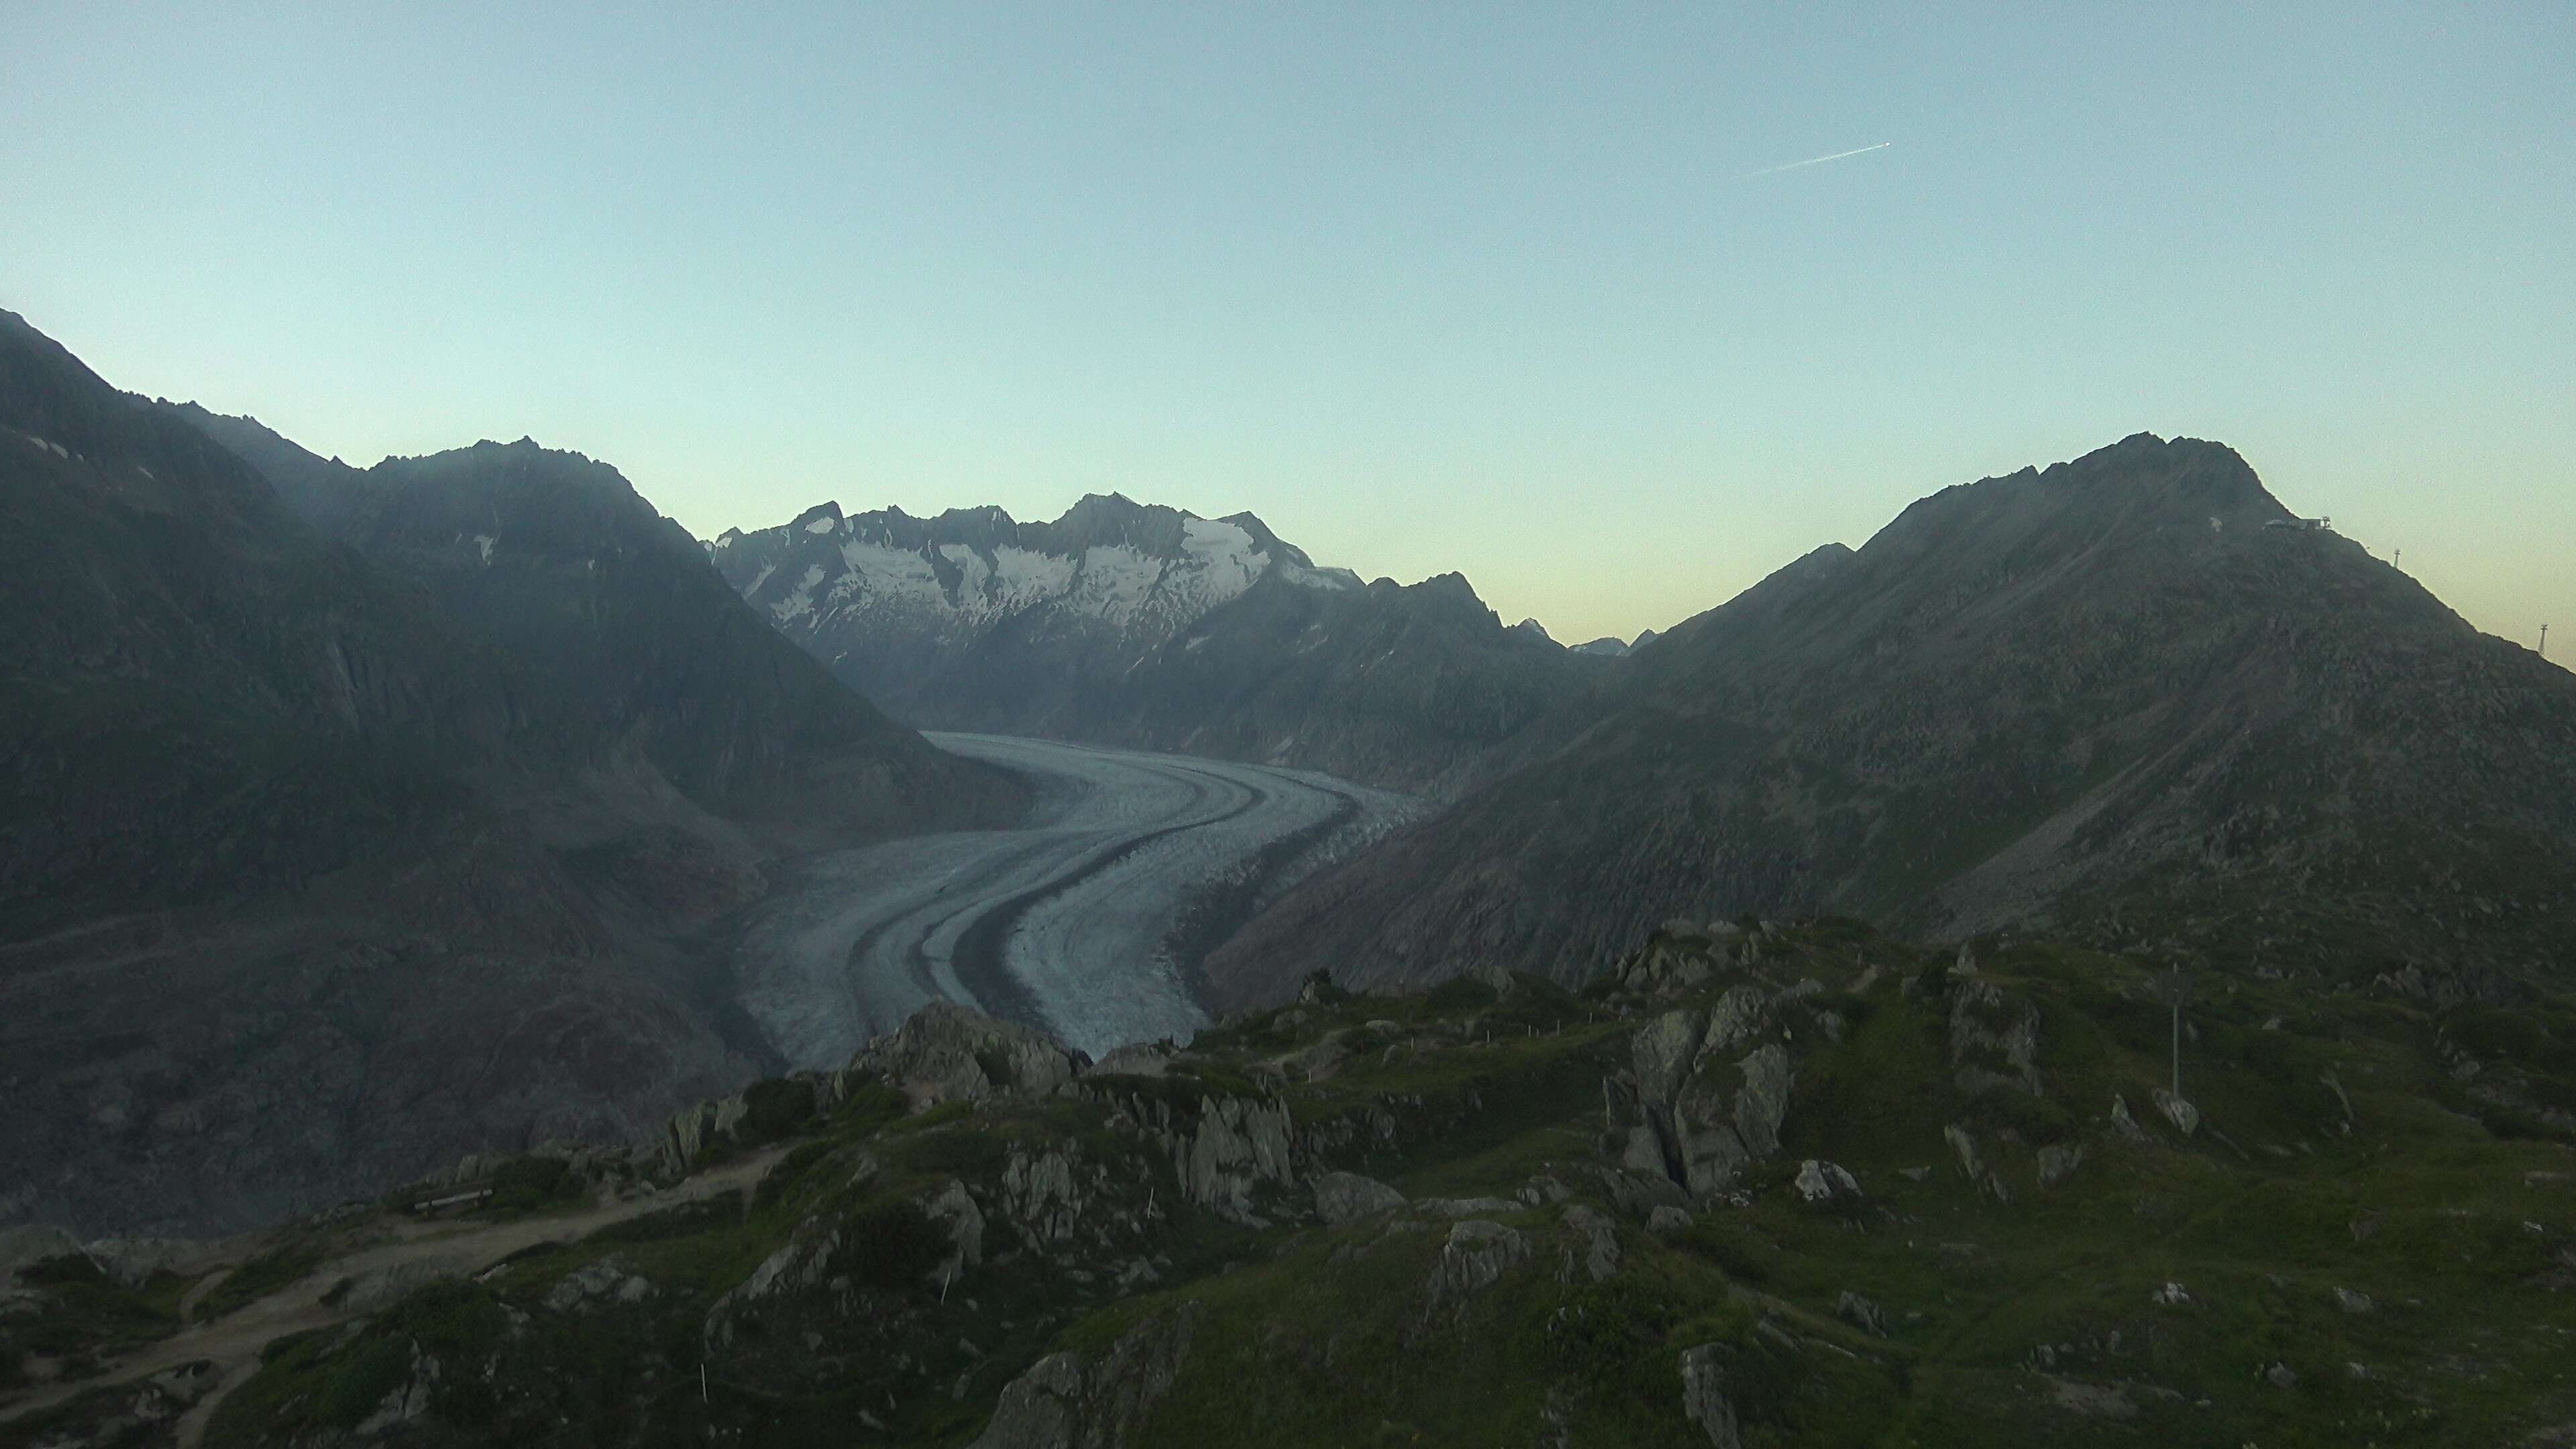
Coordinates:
<point>1087,920</point>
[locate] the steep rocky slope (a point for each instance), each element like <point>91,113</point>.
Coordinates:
<point>1765,1184</point>
<point>324,861</point>
<point>1128,624</point>
<point>634,644</point>
<point>2127,694</point>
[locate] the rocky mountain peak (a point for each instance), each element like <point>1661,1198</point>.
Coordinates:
<point>2121,495</point>
<point>2103,691</point>
<point>822,518</point>
<point>512,503</point>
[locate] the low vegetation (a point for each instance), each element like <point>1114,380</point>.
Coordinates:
<point>1980,1217</point>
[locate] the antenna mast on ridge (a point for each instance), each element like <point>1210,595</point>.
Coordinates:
<point>2544,641</point>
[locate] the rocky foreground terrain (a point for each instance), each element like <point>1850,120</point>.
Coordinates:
<point>1138,625</point>
<point>1763,1184</point>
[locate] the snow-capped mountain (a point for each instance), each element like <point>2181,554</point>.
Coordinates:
<point>1120,574</point>
<point>1136,624</point>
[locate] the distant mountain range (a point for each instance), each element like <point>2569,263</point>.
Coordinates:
<point>358,819</point>
<point>355,820</point>
<point>2131,696</point>
<point>1613,647</point>
<point>1139,625</point>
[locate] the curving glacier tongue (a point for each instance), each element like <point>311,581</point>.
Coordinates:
<point>1087,920</point>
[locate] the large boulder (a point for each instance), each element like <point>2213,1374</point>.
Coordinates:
<point>1346,1197</point>
<point>1824,1182</point>
<point>1664,1050</point>
<point>1739,1016</point>
<point>1475,1258</point>
<point>1679,1112</point>
<point>1072,1401</point>
<point>1762,1103</point>
<point>1239,1143</point>
<point>1704,1396</point>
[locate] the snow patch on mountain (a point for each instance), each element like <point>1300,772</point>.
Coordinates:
<point>1330,580</point>
<point>1145,575</point>
<point>1113,582</point>
<point>873,573</point>
<point>1228,560</point>
<point>800,600</point>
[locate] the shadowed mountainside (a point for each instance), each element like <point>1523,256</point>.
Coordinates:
<point>2112,695</point>
<point>324,861</point>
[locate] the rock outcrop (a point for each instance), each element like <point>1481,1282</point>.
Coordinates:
<point>1343,1198</point>
<point>1475,1258</point>
<point>1238,1145</point>
<point>1072,1401</point>
<point>1705,1398</point>
<point>1706,1091</point>
<point>950,1053</point>
<point>1825,1182</point>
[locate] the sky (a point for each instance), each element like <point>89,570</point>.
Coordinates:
<point>1512,291</point>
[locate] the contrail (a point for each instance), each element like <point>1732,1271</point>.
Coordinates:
<point>1817,160</point>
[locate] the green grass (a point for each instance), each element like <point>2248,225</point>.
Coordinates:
<point>2001,1316</point>
<point>286,1264</point>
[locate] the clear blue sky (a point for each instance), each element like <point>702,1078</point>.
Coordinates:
<point>1429,288</point>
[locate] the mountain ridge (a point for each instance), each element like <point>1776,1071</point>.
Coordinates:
<point>1145,626</point>
<point>336,848</point>
<point>2083,694</point>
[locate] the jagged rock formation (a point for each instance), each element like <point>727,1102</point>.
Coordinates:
<point>946,1052</point>
<point>337,851</point>
<point>2105,694</point>
<point>1130,624</point>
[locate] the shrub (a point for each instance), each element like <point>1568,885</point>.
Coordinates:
<point>62,1268</point>
<point>961,1151</point>
<point>1460,993</point>
<point>683,1220</point>
<point>2513,1124</point>
<point>1321,986</point>
<point>772,1110</point>
<point>2036,1120</point>
<point>525,1183</point>
<point>258,1278</point>
<point>894,1246</point>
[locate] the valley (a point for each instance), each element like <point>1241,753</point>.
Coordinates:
<point>1086,919</point>
<point>2111,975</point>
